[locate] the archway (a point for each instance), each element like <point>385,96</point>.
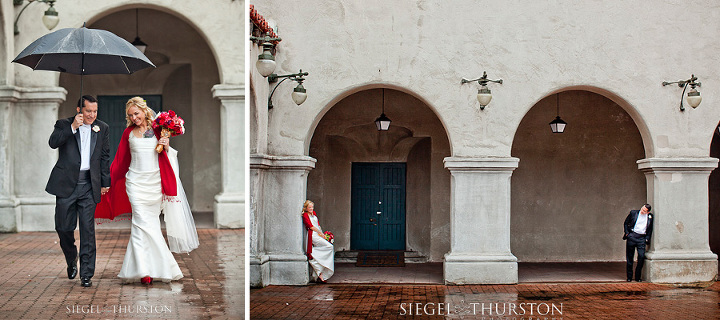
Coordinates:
<point>346,137</point>
<point>185,74</point>
<point>573,190</point>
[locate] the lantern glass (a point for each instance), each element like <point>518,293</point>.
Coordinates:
<point>558,125</point>
<point>50,19</point>
<point>382,123</point>
<point>694,98</point>
<point>484,96</point>
<point>265,67</point>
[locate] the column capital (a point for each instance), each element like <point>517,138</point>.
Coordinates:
<point>41,94</point>
<point>263,161</point>
<point>481,164</point>
<point>9,93</point>
<point>704,164</point>
<point>228,92</point>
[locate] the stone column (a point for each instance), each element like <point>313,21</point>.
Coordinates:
<point>229,204</point>
<point>679,250</point>
<point>33,120</point>
<point>480,222</point>
<point>9,204</point>
<point>283,194</point>
<point>259,268</point>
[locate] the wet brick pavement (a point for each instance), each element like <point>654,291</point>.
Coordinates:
<point>34,283</point>
<point>523,301</point>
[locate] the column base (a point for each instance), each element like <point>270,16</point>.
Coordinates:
<point>681,267</point>
<point>259,271</point>
<point>38,213</point>
<point>9,215</point>
<point>288,269</point>
<point>485,269</point>
<point>229,211</point>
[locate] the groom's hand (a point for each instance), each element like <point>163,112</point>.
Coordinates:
<point>103,191</point>
<point>78,121</point>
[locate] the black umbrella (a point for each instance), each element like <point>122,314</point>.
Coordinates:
<point>83,51</point>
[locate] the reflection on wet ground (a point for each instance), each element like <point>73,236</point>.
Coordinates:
<point>35,285</point>
<point>522,301</point>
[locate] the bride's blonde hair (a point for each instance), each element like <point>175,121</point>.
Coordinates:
<point>142,105</point>
<point>306,204</point>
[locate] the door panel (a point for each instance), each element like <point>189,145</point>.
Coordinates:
<point>378,206</point>
<point>364,231</point>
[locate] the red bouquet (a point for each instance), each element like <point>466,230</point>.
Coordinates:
<point>329,237</point>
<point>170,123</point>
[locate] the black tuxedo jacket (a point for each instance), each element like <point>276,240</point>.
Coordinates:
<point>65,174</point>
<point>630,224</point>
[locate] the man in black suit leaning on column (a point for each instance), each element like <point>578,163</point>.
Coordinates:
<point>79,178</point>
<point>638,228</point>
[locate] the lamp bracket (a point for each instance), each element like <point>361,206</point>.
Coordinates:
<point>264,39</point>
<point>482,80</point>
<point>681,83</point>
<point>692,82</point>
<point>294,76</point>
<point>19,3</point>
<point>297,77</point>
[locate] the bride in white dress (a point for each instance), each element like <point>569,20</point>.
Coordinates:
<point>320,252</point>
<point>148,256</point>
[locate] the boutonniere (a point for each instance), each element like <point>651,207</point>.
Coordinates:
<point>649,216</point>
<point>96,128</point>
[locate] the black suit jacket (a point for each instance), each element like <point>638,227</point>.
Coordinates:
<point>65,174</point>
<point>630,224</point>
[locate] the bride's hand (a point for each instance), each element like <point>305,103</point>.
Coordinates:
<point>164,141</point>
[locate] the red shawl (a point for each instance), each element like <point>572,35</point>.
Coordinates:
<point>308,225</point>
<point>116,202</point>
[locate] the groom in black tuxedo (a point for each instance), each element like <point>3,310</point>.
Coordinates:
<point>79,178</point>
<point>638,229</point>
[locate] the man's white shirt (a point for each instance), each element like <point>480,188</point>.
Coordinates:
<point>641,223</point>
<point>84,146</point>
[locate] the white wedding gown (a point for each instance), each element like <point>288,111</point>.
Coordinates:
<point>147,253</point>
<point>323,253</point>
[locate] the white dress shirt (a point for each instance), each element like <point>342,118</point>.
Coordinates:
<point>641,224</point>
<point>84,146</point>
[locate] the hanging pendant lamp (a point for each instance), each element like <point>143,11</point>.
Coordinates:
<point>137,42</point>
<point>558,125</point>
<point>383,122</point>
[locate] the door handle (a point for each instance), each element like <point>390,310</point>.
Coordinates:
<point>379,212</point>
<point>371,219</point>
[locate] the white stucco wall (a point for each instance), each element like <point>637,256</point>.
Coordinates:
<point>626,49</point>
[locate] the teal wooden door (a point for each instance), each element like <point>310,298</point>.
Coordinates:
<point>111,110</point>
<point>378,206</point>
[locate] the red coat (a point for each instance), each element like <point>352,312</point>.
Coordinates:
<point>116,202</point>
<point>308,225</point>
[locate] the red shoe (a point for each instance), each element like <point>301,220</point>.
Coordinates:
<point>146,280</point>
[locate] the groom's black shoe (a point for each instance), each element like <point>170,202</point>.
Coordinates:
<point>72,270</point>
<point>85,282</point>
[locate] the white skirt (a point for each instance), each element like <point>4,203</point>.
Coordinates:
<point>323,253</point>
<point>147,253</point>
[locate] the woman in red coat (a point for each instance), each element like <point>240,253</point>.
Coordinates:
<point>145,182</point>
<point>320,252</point>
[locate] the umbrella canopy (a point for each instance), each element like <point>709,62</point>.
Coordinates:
<point>83,51</point>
